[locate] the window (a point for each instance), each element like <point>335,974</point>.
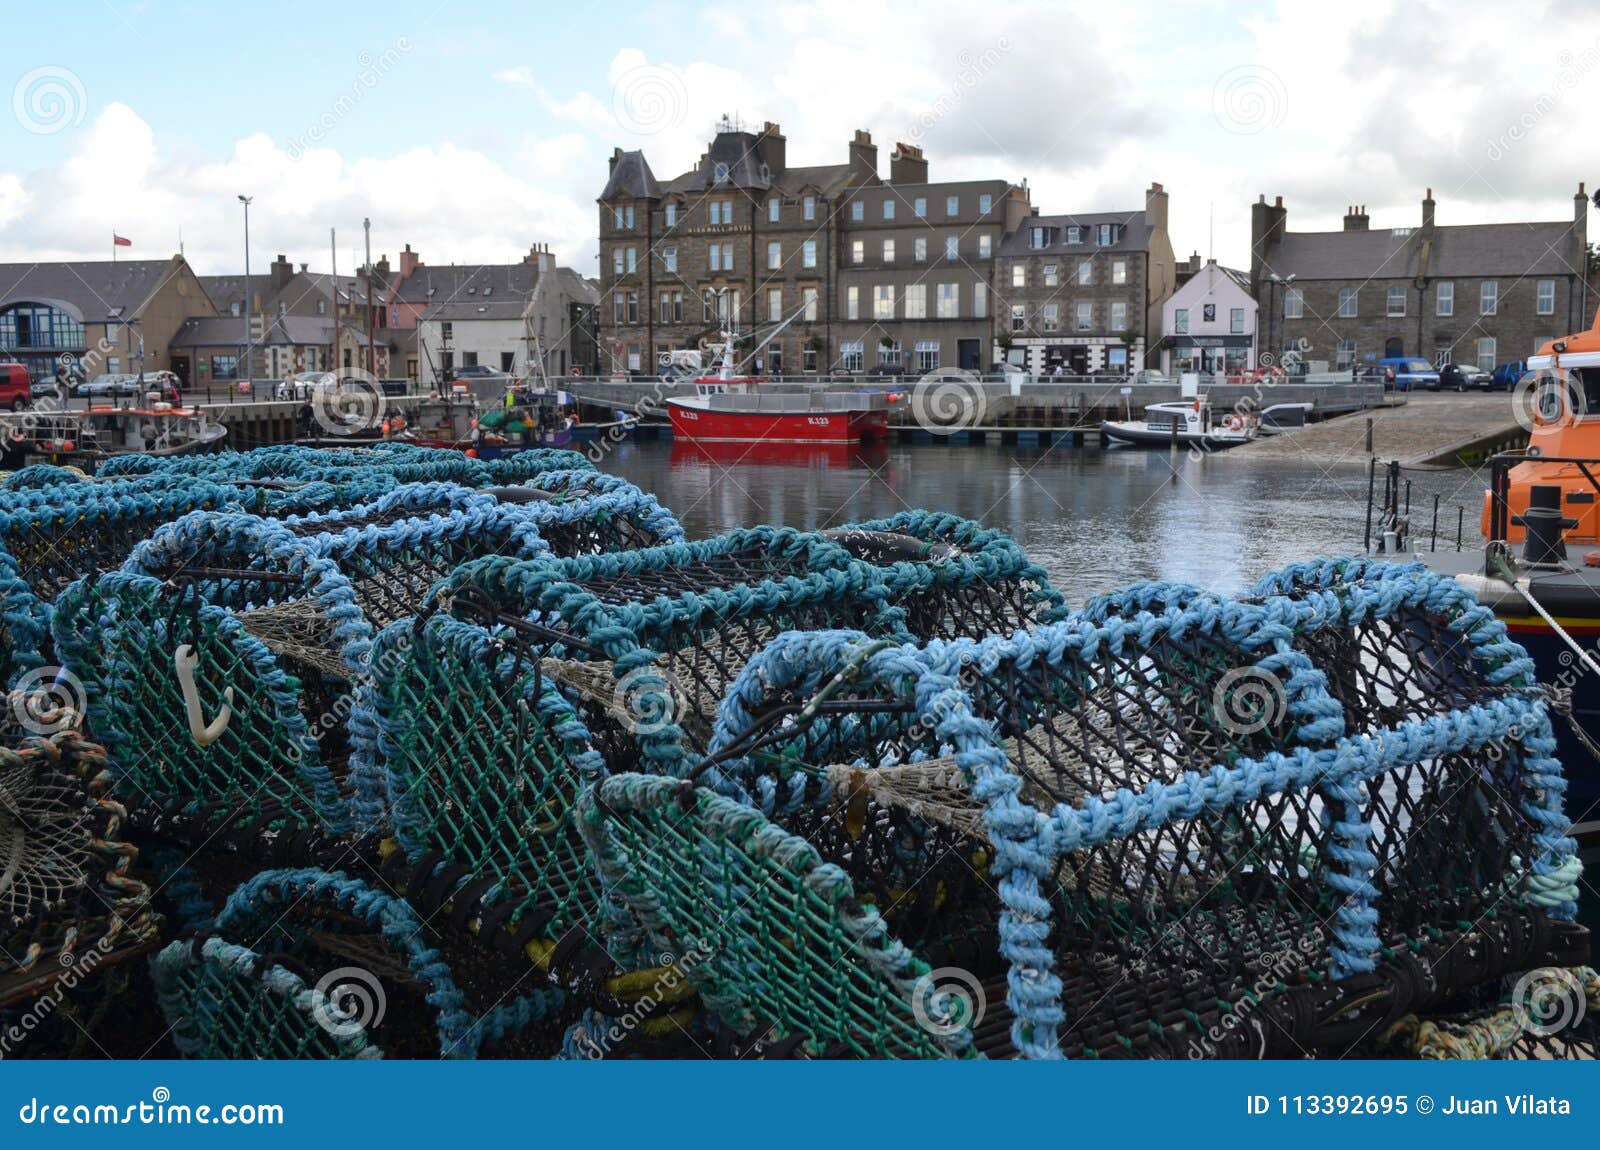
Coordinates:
<point>446,330</point>
<point>883,301</point>
<point>508,359</point>
<point>1038,238</point>
<point>1107,234</point>
<point>858,251</point>
<point>952,247</point>
<point>1119,275</point>
<point>808,296</point>
<point>1489,299</point>
<point>1293,303</point>
<point>664,306</point>
<point>1545,297</point>
<point>1019,275</point>
<point>633,260</point>
<point>1085,273</point>
<point>1236,320</point>
<point>1347,302</point>
<point>1486,349</point>
<point>917,301</point>
<point>888,251</point>
<point>627,216</point>
<point>720,173</point>
<point>808,359</point>
<point>774,255</point>
<point>919,207</point>
<point>858,210</point>
<point>633,307</point>
<point>919,248</point>
<point>224,367</point>
<point>1346,355</point>
<point>616,216</point>
<point>952,205</point>
<point>1119,316</point>
<point>669,258</point>
<point>774,209</point>
<point>1050,277</point>
<point>671,213</point>
<point>1085,316</point>
<point>775,304</point>
<point>1074,235</point>
<point>985,202</point>
<point>714,257</point>
<point>1444,298</point>
<point>672,307</point>
<point>808,210</point>
<point>980,300</point>
<point>618,314</point>
<point>616,261</point>
<point>888,209</point>
<point>1394,300</point>
<point>927,355</point>
<point>1019,316</point>
<point>1180,321</point>
<point>1208,313</point>
<point>985,245</point>
<point>949,301</point>
<point>852,302</point>
<point>808,254</point>
<point>1050,317</point>
<point>850,355</point>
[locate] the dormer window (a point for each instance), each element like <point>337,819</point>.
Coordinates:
<point>1038,237</point>
<point>720,173</point>
<point>1074,235</point>
<point>487,290</point>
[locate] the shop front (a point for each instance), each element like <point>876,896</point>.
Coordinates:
<point>1209,354</point>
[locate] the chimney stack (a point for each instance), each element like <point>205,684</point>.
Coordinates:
<point>864,155</point>
<point>772,147</point>
<point>409,262</point>
<point>1427,209</point>
<point>1155,207</point>
<point>616,154</point>
<point>1267,225</point>
<point>282,272</point>
<point>1355,218</point>
<point>907,166</point>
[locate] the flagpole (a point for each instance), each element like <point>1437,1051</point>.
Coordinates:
<point>113,245</point>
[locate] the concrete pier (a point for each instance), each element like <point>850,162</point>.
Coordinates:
<point>1440,429</point>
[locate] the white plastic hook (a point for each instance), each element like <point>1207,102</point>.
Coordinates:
<point>204,734</point>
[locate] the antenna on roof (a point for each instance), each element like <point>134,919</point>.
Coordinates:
<point>1211,233</point>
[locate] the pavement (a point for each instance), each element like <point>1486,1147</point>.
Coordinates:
<point>1428,426</point>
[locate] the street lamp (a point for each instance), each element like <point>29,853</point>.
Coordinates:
<point>1284,282</point>
<point>245,310</point>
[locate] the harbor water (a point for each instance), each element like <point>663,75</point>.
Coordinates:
<point>1096,519</point>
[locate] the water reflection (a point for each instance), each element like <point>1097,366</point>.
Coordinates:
<point>1095,519</point>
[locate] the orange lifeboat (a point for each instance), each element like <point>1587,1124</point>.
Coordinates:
<point>1562,394</point>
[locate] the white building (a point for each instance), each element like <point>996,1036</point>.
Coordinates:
<point>1209,324</point>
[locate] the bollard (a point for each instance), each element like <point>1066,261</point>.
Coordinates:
<point>1369,435</point>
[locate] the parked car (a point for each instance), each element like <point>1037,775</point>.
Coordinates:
<point>1411,373</point>
<point>1507,374</point>
<point>108,385</point>
<point>1465,377</point>
<point>474,371</point>
<point>16,386</point>
<point>301,385</point>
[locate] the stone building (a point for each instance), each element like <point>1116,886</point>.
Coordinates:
<point>1476,293</point>
<point>1084,292</point>
<point>94,316</point>
<point>859,267</point>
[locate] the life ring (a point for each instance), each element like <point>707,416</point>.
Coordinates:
<point>1235,423</point>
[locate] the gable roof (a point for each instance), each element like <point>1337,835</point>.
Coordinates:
<point>466,282</point>
<point>1457,250</point>
<point>91,290</point>
<point>1212,277</point>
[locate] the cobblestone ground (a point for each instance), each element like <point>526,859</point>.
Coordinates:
<point>1427,425</point>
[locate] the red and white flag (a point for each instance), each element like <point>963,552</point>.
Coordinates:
<point>121,241</point>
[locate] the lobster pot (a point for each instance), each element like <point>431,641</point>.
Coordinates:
<point>80,529</point>
<point>316,964</point>
<point>1549,1012</point>
<point>953,576</point>
<point>71,911</point>
<point>647,642</point>
<point>41,476</point>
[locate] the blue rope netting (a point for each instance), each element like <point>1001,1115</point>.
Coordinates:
<point>969,694</point>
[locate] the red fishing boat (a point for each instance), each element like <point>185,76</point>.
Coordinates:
<point>732,408</point>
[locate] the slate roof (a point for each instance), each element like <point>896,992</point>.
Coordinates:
<point>455,283</point>
<point>631,177</point>
<point>90,289</point>
<point>1460,250</point>
<point>1135,235</point>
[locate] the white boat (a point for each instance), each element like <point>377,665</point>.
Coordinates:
<point>1194,423</point>
<point>1281,417</point>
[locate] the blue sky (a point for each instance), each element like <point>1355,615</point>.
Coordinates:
<point>481,128</point>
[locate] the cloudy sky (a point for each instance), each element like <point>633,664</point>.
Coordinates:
<point>472,130</point>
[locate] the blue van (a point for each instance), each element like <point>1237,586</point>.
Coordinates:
<point>1507,374</point>
<point>1410,372</point>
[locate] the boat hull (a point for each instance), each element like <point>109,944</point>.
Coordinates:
<point>1139,435</point>
<point>1556,668</point>
<point>704,425</point>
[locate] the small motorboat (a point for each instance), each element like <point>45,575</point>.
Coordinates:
<point>1282,417</point>
<point>1187,423</point>
<point>82,438</point>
